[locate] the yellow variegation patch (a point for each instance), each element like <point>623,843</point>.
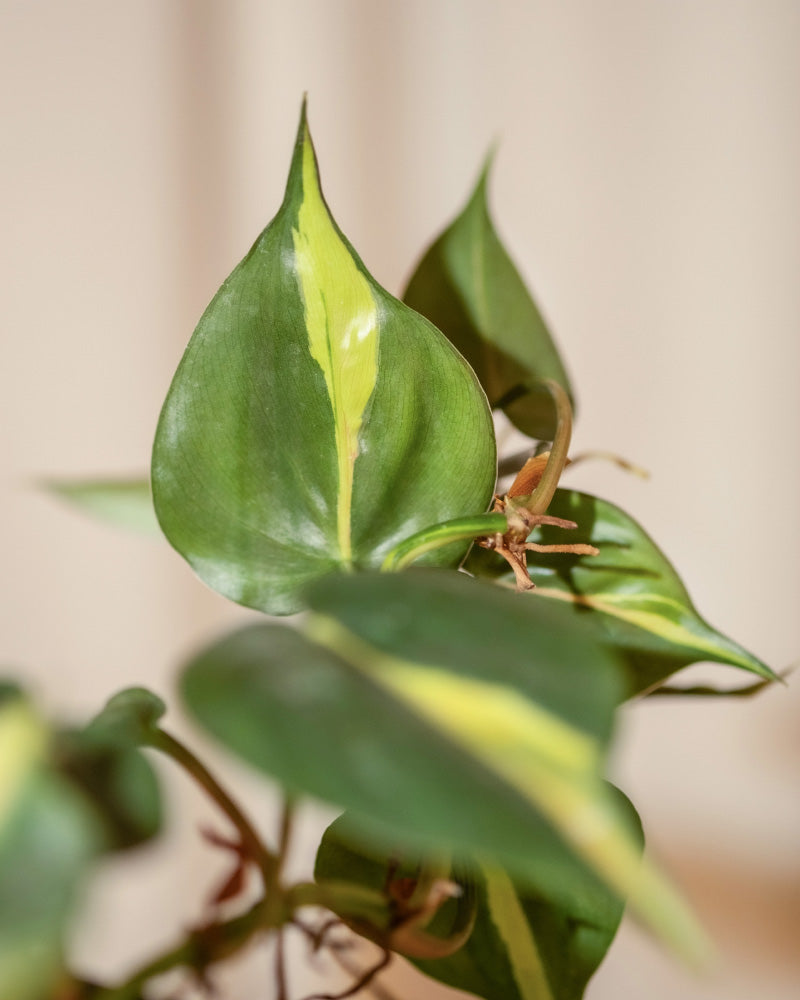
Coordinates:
<point>22,744</point>
<point>342,321</point>
<point>508,916</point>
<point>551,763</point>
<point>663,617</point>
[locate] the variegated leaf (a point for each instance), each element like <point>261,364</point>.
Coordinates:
<point>630,592</point>
<point>522,945</point>
<point>425,702</point>
<point>48,835</point>
<point>315,421</point>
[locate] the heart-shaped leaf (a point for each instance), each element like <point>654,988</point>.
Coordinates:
<point>430,705</point>
<point>468,286</point>
<point>314,421</point>
<point>630,592</point>
<point>522,946</point>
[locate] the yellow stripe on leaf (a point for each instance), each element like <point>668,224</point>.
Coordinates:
<point>511,923</point>
<point>22,744</point>
<point>666,625</point>
<point>342,321</point>
<point>552,764</point>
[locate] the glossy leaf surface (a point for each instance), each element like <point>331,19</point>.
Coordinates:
<point>314,421</point>
<point>522,945</point>
<point>630,592</point>
<point>124,503</point>
<point>467,285</point>
<point>429,706</point>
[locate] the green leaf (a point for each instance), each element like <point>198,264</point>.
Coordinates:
<point>45,847</point>
<point>119,782</point>
<point>378,895</point>
<point>630,592</point>
<point>314,421</point>
<point>468,286</point>
<point>434,708</point>
<point>124,503</point>
<point>47,837</point>
<point>522,945</point>
<point>104,761</point>
<point>128,719</point>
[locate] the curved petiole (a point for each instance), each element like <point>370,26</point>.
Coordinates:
<point>539,499</point>
<point>455,530</point>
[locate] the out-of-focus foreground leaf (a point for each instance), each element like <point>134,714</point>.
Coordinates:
<point>124,503</point>
<point>443,715</point>
<point>65,796</point>
<point>48,835</point>
<point>105,762</point>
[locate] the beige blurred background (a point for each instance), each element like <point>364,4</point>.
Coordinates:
<point>647,185</point>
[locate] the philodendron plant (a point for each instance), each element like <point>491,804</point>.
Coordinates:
<point>452,682</point>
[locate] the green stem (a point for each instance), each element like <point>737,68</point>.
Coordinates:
<point>434,537</point>
<point>200,949</point>
<point>275,896</point>
<point>539,500</point>
<point>267,862</point>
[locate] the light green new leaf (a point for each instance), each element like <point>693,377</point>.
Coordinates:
<point>428,705</point>
<point>522,945</point>
<point>47,837</point>
<point>468,286</point>
<point>124,503</point>
<point>314,421</point>
<point>630,592</point>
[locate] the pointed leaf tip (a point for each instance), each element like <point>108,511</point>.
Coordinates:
<point>482,185</point>
<point>630,592</point>
<point>469,287</point>
<point>304,429</point>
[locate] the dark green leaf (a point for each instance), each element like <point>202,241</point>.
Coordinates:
<point>9,691</point>
<point>630,592</point>
<point>462,726</point>
<point>314,421</point>
<point>480,632</point>
<point>125,503</point>
<point>391,883</point>
<point>128,719</point>
<point>118,781</point>
<point>522,946</point>
<point>467,285</point>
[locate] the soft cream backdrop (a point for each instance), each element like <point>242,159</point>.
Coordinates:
<point>647,184</point>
